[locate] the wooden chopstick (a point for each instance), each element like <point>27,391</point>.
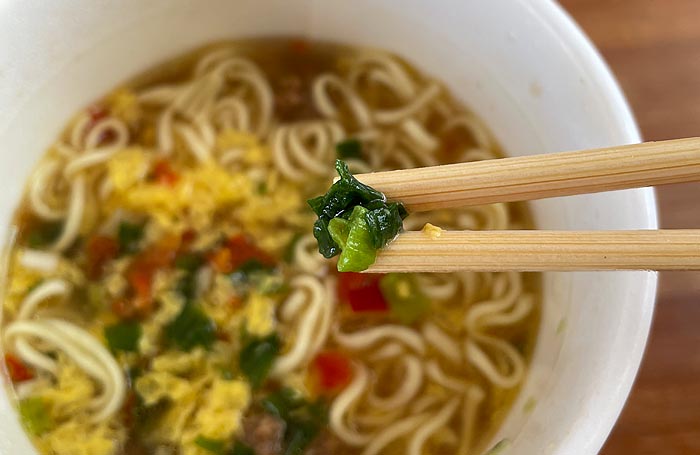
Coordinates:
<point>416,251</point>
<point>541,176</point>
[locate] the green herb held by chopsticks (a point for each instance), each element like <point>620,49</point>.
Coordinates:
<point>354,221</point>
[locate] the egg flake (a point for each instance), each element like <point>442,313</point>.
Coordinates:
<point>77,437</point>
<point>259,315</point>
<point>196,196</point>
<point>156,386</point>
<point>223,406</point>
<point>71,394</point>
<point>127,168</point>
<point>180,363</point>
<point>124,105</point>
<point>431,231</point>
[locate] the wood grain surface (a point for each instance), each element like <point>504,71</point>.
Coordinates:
<point>653,47</point>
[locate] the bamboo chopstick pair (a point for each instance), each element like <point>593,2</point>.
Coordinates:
<point>537,177</point>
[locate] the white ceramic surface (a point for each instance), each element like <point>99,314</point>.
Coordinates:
<point>522,65</point>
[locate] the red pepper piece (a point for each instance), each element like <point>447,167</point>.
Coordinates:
<point>361,291</point>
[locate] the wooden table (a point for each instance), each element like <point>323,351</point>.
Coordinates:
<point>653,47</point>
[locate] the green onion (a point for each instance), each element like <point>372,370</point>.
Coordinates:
<point>256,358</point>
<point>35,416</point>
<point>406,300</point>
<point>129,236</point>
<point>123,336</point>
<point>215,446</point>
<point>191,328</point>
<point>241,449</point>
<point>339,229</point>
<point>348,149</point>
<point>44,234</point>
<point>359,251</point>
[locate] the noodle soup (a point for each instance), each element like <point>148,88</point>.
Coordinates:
<point>165,294</point>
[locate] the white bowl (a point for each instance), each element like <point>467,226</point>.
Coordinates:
<point>522,65</point>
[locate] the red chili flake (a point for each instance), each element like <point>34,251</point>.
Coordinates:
<point>333,370</point>
<point>361,291</point>
<point>100,250</point>
<point>17,370</point>
<point>164,174</point>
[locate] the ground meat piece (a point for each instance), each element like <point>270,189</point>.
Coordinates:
<point>263,433</point>
<point>292,98</point>
<point>324,444</point>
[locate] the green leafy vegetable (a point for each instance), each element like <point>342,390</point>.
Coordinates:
<point>129,236</point>
<point>374,227</point>
<point>257,356</point>
<point>282,402</point>
<point>187,286</point>
<point>348,149</point>
<point>191,328</point>
<point>241,449</point>
<point>123,336</point>
<point>406,300</point>
<point>44,234</point>
<point>215,446</point>
<point>303,419</point>
<point>189,261</point>
<point>35,416</point>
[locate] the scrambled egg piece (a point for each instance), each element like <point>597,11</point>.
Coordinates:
<point>20,281</point>
<point>181,363</point>
<point>124,104</point>
<point>431,231</point>
<point>68,401</point>
<point>155,386</point>
<point>174,421</point>
<point>265,215</point>
<point>198,193</point>
<point>205,406</point>
<point>219,416</point>
<point>221,303</point>
<point>83,438</point>
<point>126,168</point>
<point>259,314</point>
<point>72,392</point>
